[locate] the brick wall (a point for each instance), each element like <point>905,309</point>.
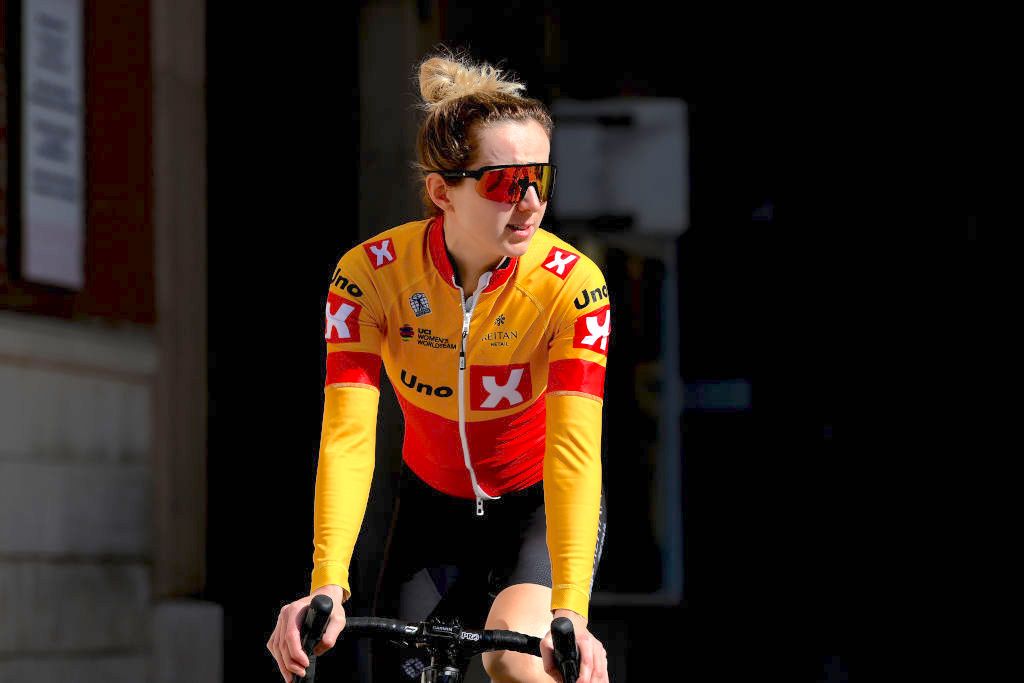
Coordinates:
<point>75,501</point>
<point>102,402</point>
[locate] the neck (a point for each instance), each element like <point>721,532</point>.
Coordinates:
<point>469,265</point>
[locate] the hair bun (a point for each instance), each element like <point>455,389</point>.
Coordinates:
<point>443,79</point>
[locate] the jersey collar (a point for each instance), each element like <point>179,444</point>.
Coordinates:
<point>439,255</point>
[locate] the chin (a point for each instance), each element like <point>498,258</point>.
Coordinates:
<point>516,245</point>
<point>515,249</point>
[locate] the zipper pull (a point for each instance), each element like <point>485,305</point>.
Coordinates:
<point>479,506</point>
<point>462,348</point>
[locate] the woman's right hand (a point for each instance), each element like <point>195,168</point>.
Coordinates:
<point>285,643</point>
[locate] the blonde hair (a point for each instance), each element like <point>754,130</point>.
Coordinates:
<point>459,97</point>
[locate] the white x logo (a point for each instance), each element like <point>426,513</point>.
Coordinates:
<point>509,390</point>
<point>598,330</point>
<point>383,252</point>
<point>559,261</point>
<point>337,321</point>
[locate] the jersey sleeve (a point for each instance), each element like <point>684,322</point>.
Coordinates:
<point>353,328</point>
<point>577,359</point>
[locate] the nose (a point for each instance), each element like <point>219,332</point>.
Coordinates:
<point>530,201</point>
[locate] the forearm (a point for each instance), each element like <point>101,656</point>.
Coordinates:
<point>572,492</point>
<point>344,475</point>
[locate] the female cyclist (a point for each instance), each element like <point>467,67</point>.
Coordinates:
<point>494,334</point>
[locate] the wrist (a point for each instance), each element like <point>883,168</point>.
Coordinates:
<point>575,617</point>
<point>332,590</point>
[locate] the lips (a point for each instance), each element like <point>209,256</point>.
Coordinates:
<point>518,228</point>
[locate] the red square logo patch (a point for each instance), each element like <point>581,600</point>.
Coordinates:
<point>381,253</point>
<point>560,262</point>
<point>342,320</point>
<point>592,330</point>
<point>499,387</point>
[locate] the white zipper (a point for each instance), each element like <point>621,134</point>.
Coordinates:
<point>467,315</point>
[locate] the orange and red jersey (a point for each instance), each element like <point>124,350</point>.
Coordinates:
<point>500,388</point>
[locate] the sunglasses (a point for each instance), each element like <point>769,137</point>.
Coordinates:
<point>510,182</point>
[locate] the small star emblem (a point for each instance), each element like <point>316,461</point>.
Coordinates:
<point>500,320</point>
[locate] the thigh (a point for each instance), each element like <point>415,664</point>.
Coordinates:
<point>423,534</point>
<point>526,608</point>
<point>417,578</point>
<point>530,561</point>
<point>521,591</point>
<point>404,588</point>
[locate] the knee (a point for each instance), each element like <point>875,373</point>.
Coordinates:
<point>514,667</point>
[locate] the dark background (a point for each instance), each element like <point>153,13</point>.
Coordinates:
<point>765,500</point>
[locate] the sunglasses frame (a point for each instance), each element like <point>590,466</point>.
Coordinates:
<point>479,173</point>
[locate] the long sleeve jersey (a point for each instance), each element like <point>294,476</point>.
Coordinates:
<point>500,388</point>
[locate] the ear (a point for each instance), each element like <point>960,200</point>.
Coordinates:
<point>438,191</point>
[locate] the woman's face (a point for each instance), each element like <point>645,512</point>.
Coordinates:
<point>498,229</point>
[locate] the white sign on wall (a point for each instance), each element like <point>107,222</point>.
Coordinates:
<point>52,143</point>
<point>623,156</point>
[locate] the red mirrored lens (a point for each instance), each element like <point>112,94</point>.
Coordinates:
<point>509,184</point>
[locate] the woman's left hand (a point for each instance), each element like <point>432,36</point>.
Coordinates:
<point>593,658</point>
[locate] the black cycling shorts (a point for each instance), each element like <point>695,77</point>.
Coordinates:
<point>442,559</point>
